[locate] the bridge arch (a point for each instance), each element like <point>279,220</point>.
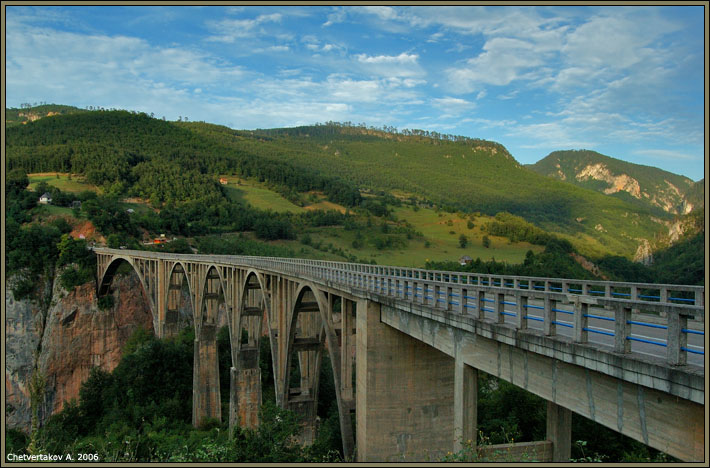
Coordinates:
<point>177,276</point>
<point>211,293</point>
<point>246,329</point>
<point>106,279</point>
<point>306,339</point>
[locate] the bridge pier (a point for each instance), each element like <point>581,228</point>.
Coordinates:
<point>404,393</point>
<point>206,402</point>
<point>245,397</point>
<point>206,398</point>
<point>172,307</point>
<point>465,405</point>
<point>559,431</point>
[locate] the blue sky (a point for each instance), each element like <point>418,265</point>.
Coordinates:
<point>627,82</point>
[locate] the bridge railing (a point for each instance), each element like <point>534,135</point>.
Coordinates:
<point>626,317</point>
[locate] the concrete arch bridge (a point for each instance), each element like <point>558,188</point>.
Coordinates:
<point>406,346</point>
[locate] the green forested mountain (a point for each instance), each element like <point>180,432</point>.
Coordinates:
<point>133,154</point>
<point>458,174</point>
<point>660,190</point>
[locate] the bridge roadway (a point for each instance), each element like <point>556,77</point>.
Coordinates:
<point>406,346</point>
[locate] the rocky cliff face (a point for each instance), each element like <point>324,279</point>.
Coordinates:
<point>665,195</point>
<point>23,331</point>
<point>76,337</point>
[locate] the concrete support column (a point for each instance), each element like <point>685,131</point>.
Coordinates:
<point>245,397</point>
<point>405,391</point>
<point>559,431</point>
<point>465,405</point>
<point>206,402</point>
<point>170,327</point>
<point>346,349</point>
<point>160,329</point>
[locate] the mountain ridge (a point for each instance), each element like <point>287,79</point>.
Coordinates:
<point>646,185</point>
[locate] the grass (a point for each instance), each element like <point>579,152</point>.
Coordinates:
<point>258,196</point>
<point>442,246</point>
<point>58,210</point>
<point>61,181</point>
<point>436,228</point>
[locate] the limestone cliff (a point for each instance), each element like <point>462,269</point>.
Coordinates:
<point>76,336</point>
<point>653,187</point>
<point>23,331</point>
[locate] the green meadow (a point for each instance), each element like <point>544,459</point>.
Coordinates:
<point>62,181</point>
<point>258,196</point>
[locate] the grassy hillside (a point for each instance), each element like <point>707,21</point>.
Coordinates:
<point>132,154</point>
<point>648,186</point>
<point>470,175</point>
<point>438,238</point>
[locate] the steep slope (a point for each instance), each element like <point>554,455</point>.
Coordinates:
<point>650,186</point>
<point>696,195</point>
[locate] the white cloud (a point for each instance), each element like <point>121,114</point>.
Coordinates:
<point>435,37</point>
<point>451,102</point>
<point>614,41</point>
<point>383,12</point>
<point>403,58</point>
<point>337,16</point>
<point>231,30</point>
<point>502,61</point>
<point>119,72</point>
<point>402,65</point>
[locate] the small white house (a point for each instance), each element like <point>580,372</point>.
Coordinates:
<point>465,260</point>
<point>45,199</point>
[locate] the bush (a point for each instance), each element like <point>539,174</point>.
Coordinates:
<point>16,441</point>
<point>105,302</point>
<point>72,277</point>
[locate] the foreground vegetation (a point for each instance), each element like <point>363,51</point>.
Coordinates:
<point>141,412</point>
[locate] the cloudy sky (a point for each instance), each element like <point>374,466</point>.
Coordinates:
<point>625,81</point>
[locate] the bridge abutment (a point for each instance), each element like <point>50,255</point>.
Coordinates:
<point>405,391</point>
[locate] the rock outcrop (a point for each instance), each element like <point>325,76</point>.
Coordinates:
<point>617,183</point>
<point>76,336</point>
<point>644,253</point>
<point>23,332</point>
